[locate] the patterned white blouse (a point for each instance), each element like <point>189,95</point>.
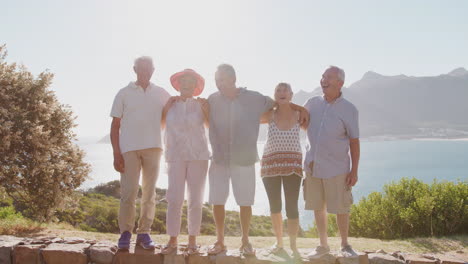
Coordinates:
<point>185,137</point>
<point>282,155</point>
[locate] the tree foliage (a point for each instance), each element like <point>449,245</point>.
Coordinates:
<point>39,163</point>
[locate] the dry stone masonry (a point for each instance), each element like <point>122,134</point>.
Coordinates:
<point>74,250</point>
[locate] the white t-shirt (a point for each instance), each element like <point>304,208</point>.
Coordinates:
<point>140,112</point>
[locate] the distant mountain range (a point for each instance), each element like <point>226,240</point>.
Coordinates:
<point>401,106</point>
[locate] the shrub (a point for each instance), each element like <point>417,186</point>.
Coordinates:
<point>13,223</point>
<point>412,208</point>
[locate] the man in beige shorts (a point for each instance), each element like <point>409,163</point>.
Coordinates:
<point>333,133</point>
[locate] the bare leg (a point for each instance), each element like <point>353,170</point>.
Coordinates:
<point>219,214</point>
<point>293,228</point>
<point>245,215</point>
<point>321,222</point>
<point>277,220</point>
<point>343,225</point>
<point>172,241</point>
<point>192,240</point>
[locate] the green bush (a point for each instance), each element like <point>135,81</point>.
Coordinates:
<point>9,212</point>
<point>13,223</point>
<point>412,208</point>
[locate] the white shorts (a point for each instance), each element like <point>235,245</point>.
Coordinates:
<point>243,184</point>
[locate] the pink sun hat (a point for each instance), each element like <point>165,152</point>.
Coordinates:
<point>200,81</point>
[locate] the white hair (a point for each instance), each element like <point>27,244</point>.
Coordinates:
<point>143,59</point>
<point>341,73</point>
<point>283,84</point>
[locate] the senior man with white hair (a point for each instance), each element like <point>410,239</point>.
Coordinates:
<point>333,134</point>
<point>136,142</point>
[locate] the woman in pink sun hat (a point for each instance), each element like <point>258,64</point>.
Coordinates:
<point>187,154</point>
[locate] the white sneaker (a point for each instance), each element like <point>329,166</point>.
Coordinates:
<point>347,251</point>
<point>318,252</point>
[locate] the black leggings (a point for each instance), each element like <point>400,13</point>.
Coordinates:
<point>291,186</point>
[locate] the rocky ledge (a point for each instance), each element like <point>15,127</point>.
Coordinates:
<point>74,250</point>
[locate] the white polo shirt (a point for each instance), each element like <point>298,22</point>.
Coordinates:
<point>140,112</point>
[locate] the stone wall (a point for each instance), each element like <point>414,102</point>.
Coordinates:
<point>73,250</point>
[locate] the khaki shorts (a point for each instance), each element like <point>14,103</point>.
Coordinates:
<point>332,194</point>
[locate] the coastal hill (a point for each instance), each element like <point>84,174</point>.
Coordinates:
<point>403,106</point>
<point>407,106</point>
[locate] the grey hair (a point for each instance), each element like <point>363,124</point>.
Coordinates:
<point>341,73</point>
<point>143,59</point>
<point>227,68</point>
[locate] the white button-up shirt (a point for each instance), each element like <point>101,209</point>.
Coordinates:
<point>330,128</point>
<point>185,137</point>
<point>140,112</point>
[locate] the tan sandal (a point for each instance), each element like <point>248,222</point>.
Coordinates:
<point>169,249</point>
<point>247,249</point>
<point>193,249</point>
<point>216,249</point>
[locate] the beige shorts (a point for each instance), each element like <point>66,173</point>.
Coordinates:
<point>332,194</point>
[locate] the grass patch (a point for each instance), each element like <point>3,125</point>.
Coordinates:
<point>13,223</point>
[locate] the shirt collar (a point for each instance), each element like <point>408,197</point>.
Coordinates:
<point>135,86</point>
<point>336,100</point>
<point>241,91</point>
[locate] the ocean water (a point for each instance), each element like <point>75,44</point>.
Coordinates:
<point>381,162</point>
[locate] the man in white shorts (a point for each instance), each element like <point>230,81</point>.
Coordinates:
<point>333,133</point>
<point>234,124</point>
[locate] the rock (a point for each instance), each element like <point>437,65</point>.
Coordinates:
<point>198,259</point>
<point>174,259</point>
<point>74,240</point>
<point>7,243</point>
<point>92,242</point>
<point>137,255</point>
<point>361,258</point>
<point>264,256</point>
<point>381,251</point>
<point>65,253</point>
<point>460,251</point>
<point>398,255</point>
<point>137,258</point>
<point>45,240</point>
<point>228,260</point>
<point>369,251</point>
<point>379,258</point>
<point>450,260</point>
<point>418,259</point>
<point>325,259</point>
<point>428,256</point>
<point>27,254</point>
<point>102,252</point>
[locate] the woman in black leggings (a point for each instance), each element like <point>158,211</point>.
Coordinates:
<point>282,165</point>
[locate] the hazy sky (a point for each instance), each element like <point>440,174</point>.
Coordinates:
<point>90,44</point>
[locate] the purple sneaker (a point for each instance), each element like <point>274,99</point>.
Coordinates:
<point>144,241</point>
<point>124,240</point>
